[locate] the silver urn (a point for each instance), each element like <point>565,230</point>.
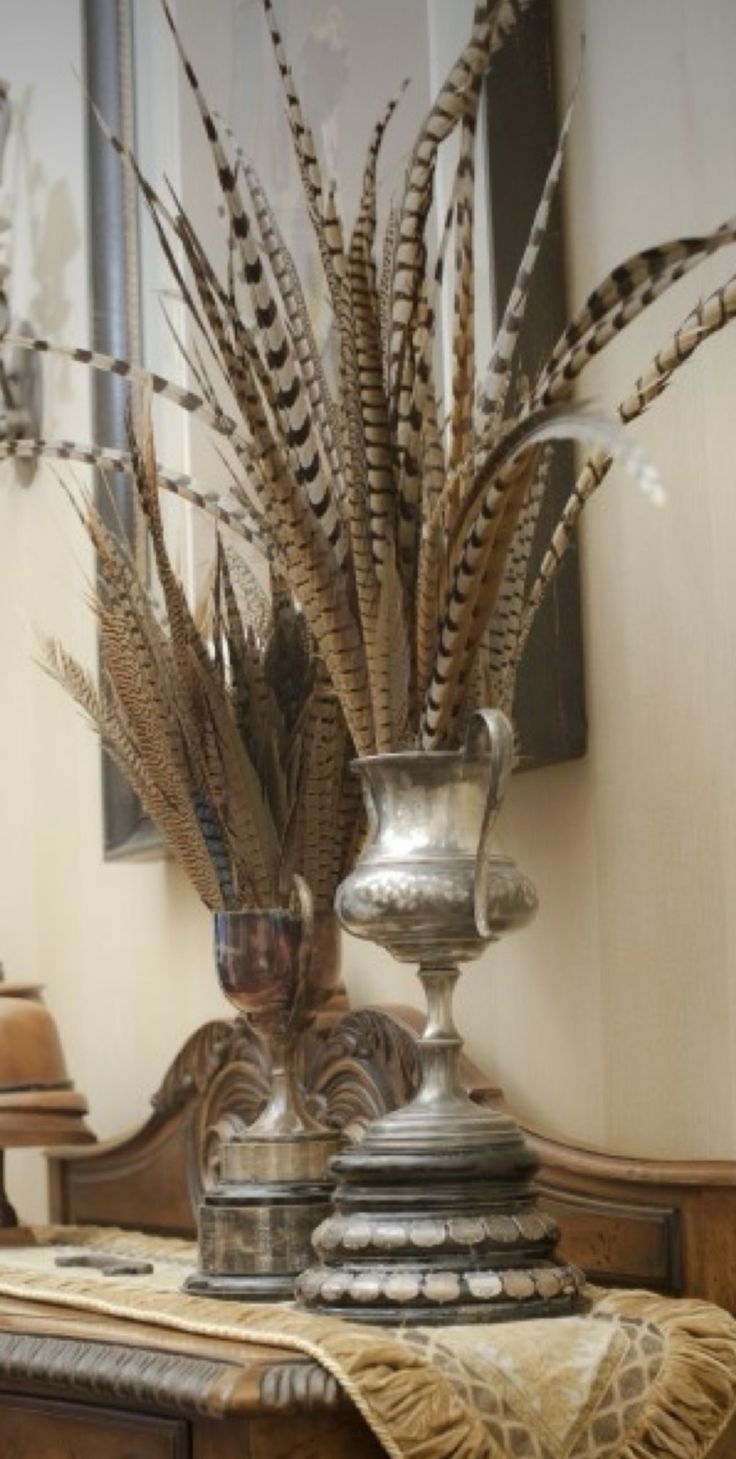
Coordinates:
<point>436,1217</point>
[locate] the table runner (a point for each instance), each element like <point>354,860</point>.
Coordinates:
<point>638,1377</point>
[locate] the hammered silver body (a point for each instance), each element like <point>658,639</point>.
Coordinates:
<point>427,864</point>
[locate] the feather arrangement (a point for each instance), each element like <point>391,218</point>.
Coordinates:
<point>399,507</point>
<point>229,732</point>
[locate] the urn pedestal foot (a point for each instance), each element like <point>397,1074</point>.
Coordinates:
<point>435,1216</point>
<point>447,1233</point>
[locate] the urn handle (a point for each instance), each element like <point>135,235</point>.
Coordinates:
<point>302,903</point>
<point>490,735</point>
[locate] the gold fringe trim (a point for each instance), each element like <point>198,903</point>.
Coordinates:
<point>414,1412</point>
<point>693,1398</point>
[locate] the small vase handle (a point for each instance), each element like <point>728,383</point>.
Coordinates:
<point>489,733</point>
<point>303,903</point>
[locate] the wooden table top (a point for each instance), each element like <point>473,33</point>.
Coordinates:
<point>127,1360</point>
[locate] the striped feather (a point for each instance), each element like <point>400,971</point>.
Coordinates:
<point>463,354</point>
<point>251,834</point>
<point>302,334</point>
<point>241,519</point>
<point>709,316</point>
<point>484,534</point>
<point>458,97</point>
<point>320,204</point>
<point>290,399</point>
<point>179,827</point>
<point>251,598</point>
<point>310,839</point>
<point>503,628</point>
<point>255,706</point>
<point>187,400</point>
<point>492,395</point>
<point>392,670</point>
<point>620,299</point>
<point>307,556</point>
<point>380,482</point>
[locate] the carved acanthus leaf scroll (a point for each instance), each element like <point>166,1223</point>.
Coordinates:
<point>354,1070</point>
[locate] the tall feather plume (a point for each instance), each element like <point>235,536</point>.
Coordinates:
<point>310,839</point>
<point>618,300</point>
<point>484,531</point>
<point>457,97</point>
<point>493,392</point>
<point>463,382</point>
<point>380,483</point>
<point>290,397</point>
<point>393,663</point>
<point>200,732</point>
<point>300,327</point>
<point>258,716</point>
<point>317,193</point>
<point>504,626</point>
<point>395,511</point>
<point>179,827</point>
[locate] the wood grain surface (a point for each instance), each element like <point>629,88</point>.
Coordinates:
<point>32,1428</point>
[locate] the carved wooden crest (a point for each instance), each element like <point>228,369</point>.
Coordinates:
<point>353,1070</point>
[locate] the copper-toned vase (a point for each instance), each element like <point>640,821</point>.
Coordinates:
<point>278,968</point>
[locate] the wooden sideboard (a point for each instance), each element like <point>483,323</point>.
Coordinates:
<point>75,1386</point>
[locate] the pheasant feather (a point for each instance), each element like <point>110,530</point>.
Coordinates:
<point>395,510</point>
<point>709,316</point>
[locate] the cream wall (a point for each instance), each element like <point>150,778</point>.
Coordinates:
<point>612,1019</point>
<point>122,949</point>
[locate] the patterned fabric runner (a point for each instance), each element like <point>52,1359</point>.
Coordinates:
<point>638,1377</point>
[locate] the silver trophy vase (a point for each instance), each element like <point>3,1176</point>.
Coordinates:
<point>435,1215</point>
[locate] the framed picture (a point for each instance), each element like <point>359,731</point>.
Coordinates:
<point>114,252</point>
<point>521,122</point>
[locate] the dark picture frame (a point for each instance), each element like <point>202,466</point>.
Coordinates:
<point>115,327</point>
<point>522,129</point>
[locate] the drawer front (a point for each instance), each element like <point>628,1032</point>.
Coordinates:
<point>42,1429</point>
<point>619,1242</point>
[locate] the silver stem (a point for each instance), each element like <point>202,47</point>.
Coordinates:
<point>286,1113</point>
<point>440,1042</point>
